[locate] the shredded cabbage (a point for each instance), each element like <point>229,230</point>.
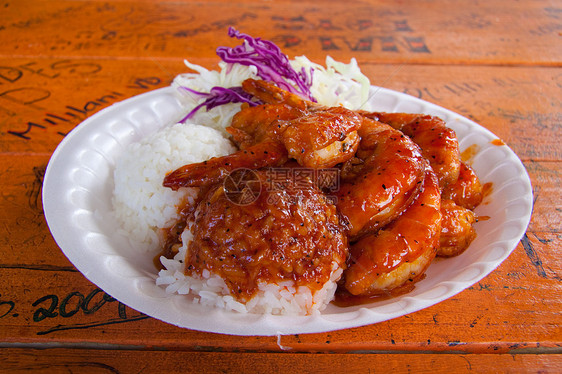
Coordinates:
<point>337,83</point>
<point>272,64</point>
<point>221,94</point>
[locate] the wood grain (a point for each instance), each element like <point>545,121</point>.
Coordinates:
<point>416,32</point>
<point>100,361</point>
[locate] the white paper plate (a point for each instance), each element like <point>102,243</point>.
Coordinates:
<point>77,201</point>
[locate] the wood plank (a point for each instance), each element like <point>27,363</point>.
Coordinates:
<point>103,361</point>
<point>506,101</point>
<point>419,32</point>
<point>547,207</point>
<point>41,100</point>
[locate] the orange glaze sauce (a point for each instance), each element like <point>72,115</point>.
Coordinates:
<point>232,259</point>
<point>344,298</point>
<point>288,233</point>
<point>487,189</point>
<point>497,142</point>
<point>470,152</point>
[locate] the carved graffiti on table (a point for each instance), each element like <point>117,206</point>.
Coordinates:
<point>19,87</point>
<point>440,92</point>
<point>16,92</point>
<point>391,39</point>
<point>157,29</point>
<point>219,25</point>
<point>72,114</point>
<point>75,304</point>
<point>6,308</point>
<point>33,190</point>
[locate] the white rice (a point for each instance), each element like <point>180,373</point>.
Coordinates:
<point>144,207</point>
<point>141,204</point>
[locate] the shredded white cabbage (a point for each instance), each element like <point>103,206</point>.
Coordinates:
<point>228,75</point>
<point>337,83</point>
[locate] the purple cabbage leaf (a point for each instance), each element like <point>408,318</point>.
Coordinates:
<point>271,64</point>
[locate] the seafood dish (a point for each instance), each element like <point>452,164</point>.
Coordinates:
<point>281,191</point>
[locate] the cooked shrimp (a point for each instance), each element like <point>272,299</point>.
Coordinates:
<point>271,133</point>
<point>457,231</point>
<point>318,139</point>
<point>211,171</point>
<point>323,138</point>
<point>314,135</point>
<point>402,250</point>
<point>381,180</point>
<point>439,143</point>
<point>467,190</point>
<point>271,94</point>
<point>256,124</point>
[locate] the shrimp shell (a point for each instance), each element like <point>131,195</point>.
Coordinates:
<point>213,170</point>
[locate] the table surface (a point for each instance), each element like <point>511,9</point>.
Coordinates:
<point>62,61</point>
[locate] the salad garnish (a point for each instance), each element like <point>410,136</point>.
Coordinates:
<point>271,64</point>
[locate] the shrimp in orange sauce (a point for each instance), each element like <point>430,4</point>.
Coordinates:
<point>404,196</point>
<point>438,142</point>
<point>268,134</point>
<point>400,251</point>
<point>457,231</point>
<point>467,191</point>
<point>382,179</point>
<point>458,201</point>
<point>461,188</point>
<point>212,171</point>
<point>315,136</point>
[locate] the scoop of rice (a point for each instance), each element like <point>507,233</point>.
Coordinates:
<point>141,204</point>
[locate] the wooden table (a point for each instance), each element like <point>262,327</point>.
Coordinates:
<point>61,61</point>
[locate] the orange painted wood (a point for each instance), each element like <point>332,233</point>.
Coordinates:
<point>422,31</point>
<point>62,61</point>
<point>102,361</point>
<point>42,99</point>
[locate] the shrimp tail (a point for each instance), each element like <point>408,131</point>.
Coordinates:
<point>457,231</point>
<point>271,94</point>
